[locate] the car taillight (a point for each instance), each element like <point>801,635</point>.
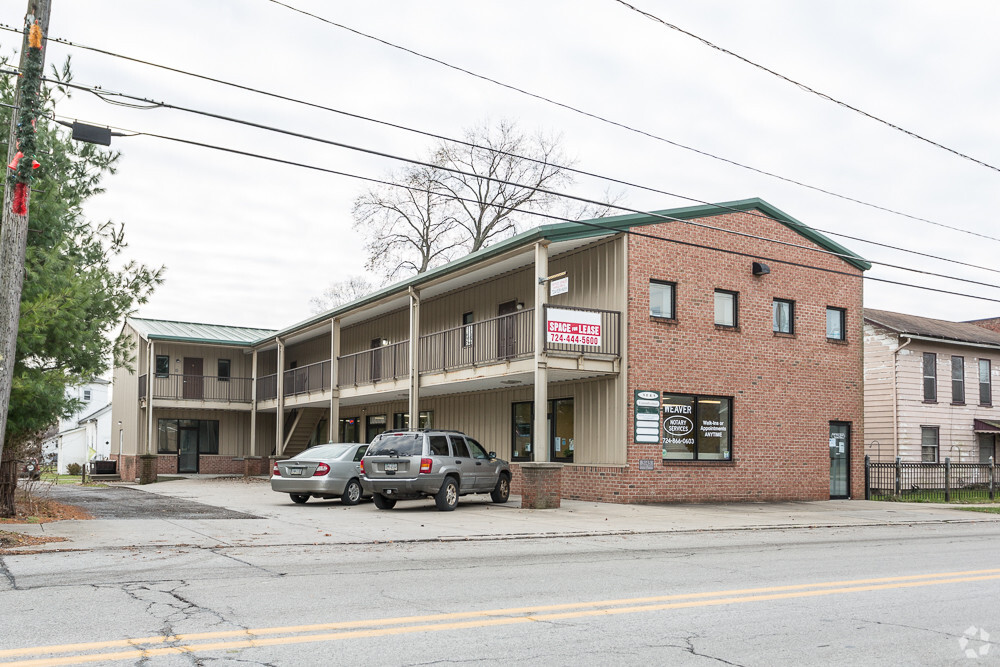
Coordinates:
<point>274,471</point>
<point>425,465</point>
<point>362,469</point>
<point>321,470</point>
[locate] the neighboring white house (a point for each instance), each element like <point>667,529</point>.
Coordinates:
<point>86,434</point>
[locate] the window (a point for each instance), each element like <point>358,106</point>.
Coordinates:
<point>562,429</point>
<point>349,430</point>
<point>930,376</point>
<point>958,379</point>
<point>662,299</point>
<point>929,444</point>
<point>561,442</point>
<point>204,431</point>
<point>401,420</point>
<point>985,384</point>
<point>439,445</point>
<point>224,366</point>
<point>697,428</point>
<point>459,447</point>
<point>987,447</point>
<point>162,366</point>
<point>783,312</point>
<point>522,415</point>
<point>467,329</point>
<point>725,308</point>
<point>86,394</point>
<point>835,320</point>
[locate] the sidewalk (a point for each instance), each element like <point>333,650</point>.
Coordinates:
<point>280,522</point>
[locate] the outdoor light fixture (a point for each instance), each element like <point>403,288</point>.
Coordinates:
<point>761,269</point>
<point>520,305</point>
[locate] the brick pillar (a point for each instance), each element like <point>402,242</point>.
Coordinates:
<point>147,468</point>
<point>253,466</point>
<point>541,485</point>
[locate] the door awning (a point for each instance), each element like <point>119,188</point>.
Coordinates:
<point>986,426</point>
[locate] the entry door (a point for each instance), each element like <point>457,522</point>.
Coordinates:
<point>840,456</point>
<point>187,449</point>
<point>505,329</point>
<point>374,424</point>
<point>193,382</point>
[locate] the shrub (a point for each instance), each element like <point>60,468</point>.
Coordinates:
<point>73,469</point>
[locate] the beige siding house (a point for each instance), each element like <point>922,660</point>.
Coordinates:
<point>929,389</point>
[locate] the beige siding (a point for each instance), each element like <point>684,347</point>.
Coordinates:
<point>880,347</point>
<point>957,439</point>
<point>394,327</point>
<point>240,360</point>
<point>125,396</point>
<point>486,416</point>
<point>311,351</point>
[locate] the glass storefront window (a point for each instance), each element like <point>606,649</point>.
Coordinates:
<point>696,428</point>
<point>349,429</point>
<point>401,420</point>
<point>521,437</point>
<point>207,438</point>
<point>562,430</point>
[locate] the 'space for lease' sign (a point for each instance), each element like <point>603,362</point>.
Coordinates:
<point>576,327</point>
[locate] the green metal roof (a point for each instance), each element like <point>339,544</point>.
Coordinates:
<point>570,231</point>
<point>191,332</point>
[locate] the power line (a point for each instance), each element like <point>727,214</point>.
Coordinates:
<point>628,127</point>
<point>522,157</point>
<point>808,89</point>
<point>593,224</point>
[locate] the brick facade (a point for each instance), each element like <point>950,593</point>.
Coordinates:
<point>166,464</point>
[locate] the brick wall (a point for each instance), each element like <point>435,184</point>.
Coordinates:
<point>993,323</point>
<point>785,389</point>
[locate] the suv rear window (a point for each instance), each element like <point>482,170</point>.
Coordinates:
<point>397,444</point>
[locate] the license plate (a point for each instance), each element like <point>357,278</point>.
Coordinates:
<point>391,467</point>
<point>295,471</point>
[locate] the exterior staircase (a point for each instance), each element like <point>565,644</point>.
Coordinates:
<point>302,428</point>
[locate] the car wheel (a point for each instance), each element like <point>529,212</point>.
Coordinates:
<point>352,493</point>
<point>298,498</point>
<point>382,502</point>
<point>446,498</point>
<point>501,492</point>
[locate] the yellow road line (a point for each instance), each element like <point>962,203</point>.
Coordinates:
<point>482,618</point>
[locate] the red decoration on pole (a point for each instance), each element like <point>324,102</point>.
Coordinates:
<point>20,202</point>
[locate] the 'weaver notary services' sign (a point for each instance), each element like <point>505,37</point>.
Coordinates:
<point>576,327</point>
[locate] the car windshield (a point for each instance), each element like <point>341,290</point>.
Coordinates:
<point>397,444</point>
<point>323,452</point>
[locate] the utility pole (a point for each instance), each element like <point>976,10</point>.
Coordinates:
<point>14,223</point>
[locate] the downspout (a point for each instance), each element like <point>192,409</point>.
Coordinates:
<point>895,399</point>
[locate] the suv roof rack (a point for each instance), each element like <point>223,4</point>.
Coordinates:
<point>423,430</point>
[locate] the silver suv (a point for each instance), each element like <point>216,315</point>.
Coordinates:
<point>402,465</point>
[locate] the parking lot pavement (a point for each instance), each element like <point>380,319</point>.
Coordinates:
<point>245,512</point>
<point>129,502</point>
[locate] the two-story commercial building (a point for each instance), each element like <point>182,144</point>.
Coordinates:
<point>929,388</point>
<point>701,353</point>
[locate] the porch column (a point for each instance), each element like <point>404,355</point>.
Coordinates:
<point>279,421</point>
<point>253,405</point>
<point>334,423</point>
<point>414,358</point>
<point>540,430</point>
<point>150,376</point>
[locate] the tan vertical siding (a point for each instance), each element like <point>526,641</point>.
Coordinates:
<point>311,351</point>
<point>125,396</point>
<point>880,348</point>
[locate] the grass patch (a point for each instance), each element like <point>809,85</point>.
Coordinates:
<point>53,478</point>
<point>958,497</point>
<point>988,510</point>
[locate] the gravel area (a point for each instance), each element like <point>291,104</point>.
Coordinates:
<point>122,502</point>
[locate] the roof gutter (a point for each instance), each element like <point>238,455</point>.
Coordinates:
<point>950,341</point>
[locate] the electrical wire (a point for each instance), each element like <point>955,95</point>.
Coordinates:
<point>808,89</point>
<point>499,152</point>
<point>629,128</point>
<point>549,216</point>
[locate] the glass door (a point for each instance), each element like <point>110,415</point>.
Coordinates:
<point>840,456</point>
<point>187,449</point>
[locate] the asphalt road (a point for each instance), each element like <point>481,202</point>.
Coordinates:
<point>876,595</point>
<point>122,502</point>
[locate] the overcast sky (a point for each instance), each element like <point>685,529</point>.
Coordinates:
<point>249,242</point>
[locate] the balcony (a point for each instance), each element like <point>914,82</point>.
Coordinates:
<point>389,362</point>
<point>197,388</point>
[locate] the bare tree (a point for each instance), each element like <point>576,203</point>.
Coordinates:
<point>488,208</point>
<point>407,229</point>
<point>350,289</point>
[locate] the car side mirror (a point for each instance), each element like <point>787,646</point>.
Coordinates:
<point>493,455</point>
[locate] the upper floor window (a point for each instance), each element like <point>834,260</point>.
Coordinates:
<point>224,368</point>
<point>662,299</point>
<point>958,379</point>
<point>86,394</point>
<point>835,321</point>
<point>929,444</point>
<point>930,376</point>
<point>725,308</point>
<point>783,316</point>
<point>985,385</point>
<point>162,365</point>
<point>467,329</point>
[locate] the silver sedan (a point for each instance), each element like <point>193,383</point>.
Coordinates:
<point>324,471</point>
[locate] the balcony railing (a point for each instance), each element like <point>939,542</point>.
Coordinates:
<point>380,363</point>
<point>496,339</point>
<point>314,377</point>
<point>197,388</point>
<point>267,387</point>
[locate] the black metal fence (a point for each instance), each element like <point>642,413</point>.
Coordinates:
<point>930,482</point>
